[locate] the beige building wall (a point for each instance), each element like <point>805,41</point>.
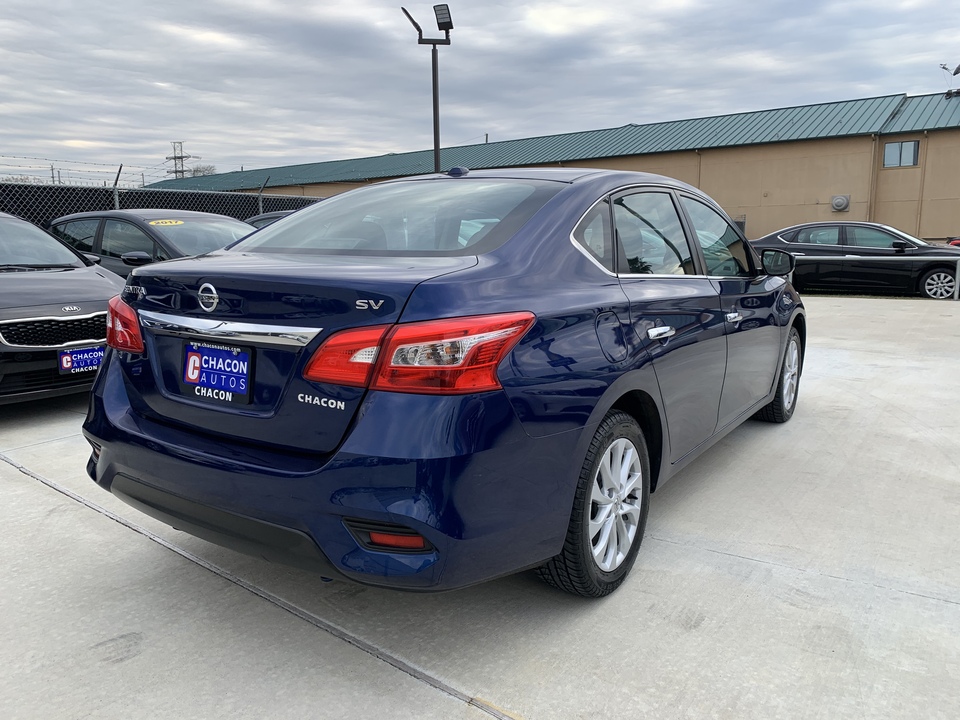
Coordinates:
<point>774,185</point>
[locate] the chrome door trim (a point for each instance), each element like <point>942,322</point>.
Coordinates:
<point>190,327</point>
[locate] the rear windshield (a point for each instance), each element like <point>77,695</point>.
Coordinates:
<point>195,236</point>
<point>459,216</point>
<point>23,245</point>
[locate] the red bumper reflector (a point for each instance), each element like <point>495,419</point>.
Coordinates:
<point>407,542</point>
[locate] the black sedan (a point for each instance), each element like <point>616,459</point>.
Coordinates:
<point>866,257</point>
<point>53,310</point>
<point>124,239</point>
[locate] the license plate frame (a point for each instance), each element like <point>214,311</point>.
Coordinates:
<point>77,361</point>
<point>216,374</point>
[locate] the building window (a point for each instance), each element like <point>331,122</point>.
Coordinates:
<point>901,154</point>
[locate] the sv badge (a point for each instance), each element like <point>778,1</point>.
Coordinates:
<point>370,304</point>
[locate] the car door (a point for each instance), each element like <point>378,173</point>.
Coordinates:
<point>819,252</point>
<point>674,311</point>
<point>120,237</point>
<point>748,304</point>
<point>870,261</point>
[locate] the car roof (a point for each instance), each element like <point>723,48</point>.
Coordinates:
<point>142,214</point>
<point>562,174</point>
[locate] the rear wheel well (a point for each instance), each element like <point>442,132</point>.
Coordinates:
<point>643,409</point>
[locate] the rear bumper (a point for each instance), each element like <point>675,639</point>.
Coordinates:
<point>489,499</point>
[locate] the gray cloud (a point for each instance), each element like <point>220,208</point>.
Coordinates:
<point>257,83</point>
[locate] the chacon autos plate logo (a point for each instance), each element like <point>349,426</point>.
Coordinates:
<point>207,297</point>
<point>70,308</point>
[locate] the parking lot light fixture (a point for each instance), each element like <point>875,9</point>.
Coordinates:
<point>445,25</point>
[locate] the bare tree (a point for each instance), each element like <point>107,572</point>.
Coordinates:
<point>200,170</point>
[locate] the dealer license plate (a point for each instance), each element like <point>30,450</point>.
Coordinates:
<point>216,373</point>
<point>76,361</point>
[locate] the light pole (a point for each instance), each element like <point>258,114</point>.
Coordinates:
<point>444,24</point>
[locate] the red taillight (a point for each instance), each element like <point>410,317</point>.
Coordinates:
<point>123,326</point>
<point>346,358</point>
<point>443,357</point>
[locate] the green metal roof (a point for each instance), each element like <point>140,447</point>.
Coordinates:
<point>887,114</point>
<point>925,112</point>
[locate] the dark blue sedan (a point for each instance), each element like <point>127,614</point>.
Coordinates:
<point>435,381</point>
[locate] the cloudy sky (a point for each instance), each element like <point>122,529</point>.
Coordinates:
<point>86,86</point>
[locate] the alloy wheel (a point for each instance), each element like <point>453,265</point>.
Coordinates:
<point>791,373</point>
<point>616,502</point>
<point>939,285</point>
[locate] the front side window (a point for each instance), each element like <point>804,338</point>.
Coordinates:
<point>819,236</point>
<point>78,234</point>
<point>869,237</point>
<point>650,235</point>
<point>901,154</point>
<point>724,251</point>
<point>121,237</point>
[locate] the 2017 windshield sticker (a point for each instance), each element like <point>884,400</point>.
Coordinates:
<point>166,222</point>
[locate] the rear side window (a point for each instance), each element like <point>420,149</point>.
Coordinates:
<point>819,236</point>
<point>593,235</point>
<point>724,252</point>
<point>78,234</point>
<point>650,235</point>
<point>460,216</point>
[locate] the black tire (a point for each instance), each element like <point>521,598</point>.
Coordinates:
<point>781,408</point>
<point>576,570</point>
<point>938,284</point>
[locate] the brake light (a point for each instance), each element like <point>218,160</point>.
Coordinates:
<point>346,358</point>
<point>443,357</point>
<point>454,356</point>
<point>123,326</point>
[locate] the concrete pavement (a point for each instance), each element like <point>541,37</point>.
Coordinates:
<point>806,570</point>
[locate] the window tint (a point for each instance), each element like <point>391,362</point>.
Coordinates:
<point>593,234</point>
<point>869,237</point>
<point>651,236</point>
<point>724,250</point>
<point>121,237</point>
<point>79,234</point>
<point>465,216</point>
<point>819,236</point>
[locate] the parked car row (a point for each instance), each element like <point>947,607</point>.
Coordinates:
<point>866,257</point>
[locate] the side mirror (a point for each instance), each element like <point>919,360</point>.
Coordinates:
<point>900,245</point>
<point>136,258</point>
<point>777,262</point>
<point>95,259</point>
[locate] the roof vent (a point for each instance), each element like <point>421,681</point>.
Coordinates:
<point>840,203</point>
<point>458,171</point>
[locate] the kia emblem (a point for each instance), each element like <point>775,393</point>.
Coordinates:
<point>70,308</point>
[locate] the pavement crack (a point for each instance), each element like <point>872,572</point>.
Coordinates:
<point>305,615</point>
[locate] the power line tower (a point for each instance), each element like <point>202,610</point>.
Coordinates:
<point>178,157</point>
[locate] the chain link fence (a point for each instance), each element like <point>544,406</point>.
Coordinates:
<point>42,203</point>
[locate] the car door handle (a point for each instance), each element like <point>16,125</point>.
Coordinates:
<point>734,317</point>
<point>661,333</point>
